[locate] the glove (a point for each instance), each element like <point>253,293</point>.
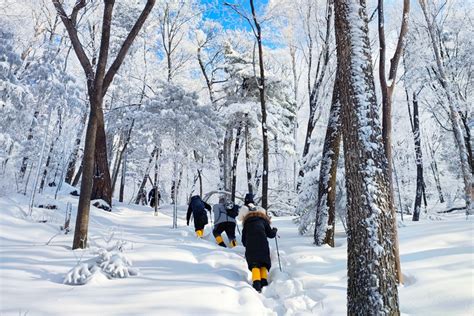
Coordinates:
<point>274,229</point>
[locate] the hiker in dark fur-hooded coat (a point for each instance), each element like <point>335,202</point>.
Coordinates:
<point>254,237</point>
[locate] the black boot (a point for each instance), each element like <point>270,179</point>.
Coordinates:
<point>257,285</point>
<point>222,244</point>
<point>264,282</point>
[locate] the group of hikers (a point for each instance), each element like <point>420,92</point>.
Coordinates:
<point>256,230</point>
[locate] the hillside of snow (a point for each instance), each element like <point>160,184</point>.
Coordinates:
<point>179,274</point>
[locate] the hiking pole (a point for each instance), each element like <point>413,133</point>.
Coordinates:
<point>278,251</point>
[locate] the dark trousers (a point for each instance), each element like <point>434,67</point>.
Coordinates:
<point>227,227</point>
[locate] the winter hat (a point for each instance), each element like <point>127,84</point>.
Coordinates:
<point>222,200</point>
<point>252,207</point>
<point>229,205</point>
<point>248,199</point>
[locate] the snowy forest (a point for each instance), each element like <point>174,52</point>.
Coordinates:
<point>341,126</point>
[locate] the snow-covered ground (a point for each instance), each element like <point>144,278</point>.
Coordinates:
<point>182,275</point>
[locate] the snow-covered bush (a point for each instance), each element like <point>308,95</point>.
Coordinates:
<point>109,264</point>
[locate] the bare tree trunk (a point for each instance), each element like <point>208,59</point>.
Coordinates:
<point>467,140</point>
<point>102,187</point>
<point>82,220</point>
<point>372,286</point>
<point>45,170</point>
<point>235,160</point>
<point>326,208</point>
<point>24,163</point>
<point>387,98</point>
<point>200,182</point>
<point>141,189</point>
<point>226,158</point>
<point>263,107</point>
<point>418,159</point>
<point>71,168</point>
<point>51,149</point>
<point>122,179</point>
<point>434,169</point>
<point>247,160</point>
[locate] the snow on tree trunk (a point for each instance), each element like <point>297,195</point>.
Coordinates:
<point>141,189</point>
<point>24,163</point>
<point>227,158</point>
<point>122,179</point>
<point>102,187</point>
<point>247,160</point>
<point>418,160</point>
<point>263,107</point>
<point>326,207</point>
<point>235,160</point>
<point>372,286</point>
<point>71,168</point>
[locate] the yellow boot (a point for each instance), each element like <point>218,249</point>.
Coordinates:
<point>264,276</point>
<point>233,243</point>
<point>220,241</point>
<point>199,233</point>
<point>256,279</point>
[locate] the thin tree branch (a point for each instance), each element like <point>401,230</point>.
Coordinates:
<point>126,45</point>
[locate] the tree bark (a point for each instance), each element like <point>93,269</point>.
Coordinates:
<point>98,82</point>
<point>122,179</point>
<point>263,107</point>
<point>24,162</point>
<point>434,169</point>
<point>235,160</point>
<point>247,160</point>
<point>387,98</point>
<point>418,160</point>
<point>71,168</point>
<point>102,186</point>
<point>326,208</point>
<point>141,189</point>
<point>229,134</point>
<point>372,286</point>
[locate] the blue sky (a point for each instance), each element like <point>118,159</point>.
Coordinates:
<point>227,17</point>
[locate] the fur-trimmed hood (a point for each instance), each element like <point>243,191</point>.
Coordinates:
<point>245,214</point>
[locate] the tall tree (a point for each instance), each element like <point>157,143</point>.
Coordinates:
<point>387,100</point>
<point>263,107</point>
<point>326,206</point>
<point>415,127</point>
<point>257,32</point>
<point>372,286</point>
<point>98,81</point>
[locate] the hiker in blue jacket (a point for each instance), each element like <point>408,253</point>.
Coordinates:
<point>255,232</point>
<point>224,221</point>
<point>197,207</point>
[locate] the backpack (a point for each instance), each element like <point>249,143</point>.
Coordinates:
<point>233,212</point>
<point>198,207</point>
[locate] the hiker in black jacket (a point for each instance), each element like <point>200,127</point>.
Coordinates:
<point>198,208</point>
<point>151,197</point>
<point>254,237</point>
